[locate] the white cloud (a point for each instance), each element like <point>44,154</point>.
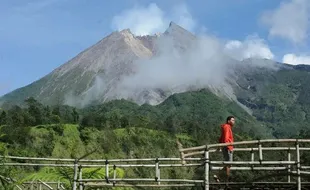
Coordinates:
<point>141,20</point>
<point>251,47</point>
<point>182,17</point>
<point>151,19</point>
<point>289,21</point>
<point>296,59</point>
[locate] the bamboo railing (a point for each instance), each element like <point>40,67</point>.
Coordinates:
<point>193,157</point>
<point>261,163</point>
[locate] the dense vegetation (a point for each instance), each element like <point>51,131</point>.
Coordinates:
<point>122,129</point>
<point>278,98</point>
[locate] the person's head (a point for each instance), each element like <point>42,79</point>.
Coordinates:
<point>230,120</point>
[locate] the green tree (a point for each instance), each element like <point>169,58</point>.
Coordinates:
<point>16,117</point>
<point>36,110</point>
<point>3,118</point>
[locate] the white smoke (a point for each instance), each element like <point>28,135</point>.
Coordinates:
<point>173,68</point>
<point>151,19</point>
<point>205,64</point>
<point>251,47</point>
<point>296,59</point>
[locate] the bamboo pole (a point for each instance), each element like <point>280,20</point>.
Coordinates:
<point>157,172</point>
<point>193,148</point>
<point>246,150</point>
<point>298,166</point>
<point>256,142</point>
<point>193,154</point>
<point>180,146</point>
<point>37,164</point>
<point>252,155</point>
<point>114,174</point>
<point>144,180</point>
<point>207,167</point>
<point>260,151</point>
<point>143,165</point>
<point>139,185</point>
<point>107,171</point>
<point>301,172</point>
<point>150,159</point>
<point>96,161</point>
<point>253,163</point>
<point>251,168</point>
<point>80,177</point>
<point>241,184</point>
<point>200,151</point>
<point>96,166</point>
<point>38,159</point>
<point>46,184</point>
<point>289,166</point>
<point>75,174</point>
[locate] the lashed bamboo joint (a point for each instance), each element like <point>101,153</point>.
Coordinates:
<point>201,156</point>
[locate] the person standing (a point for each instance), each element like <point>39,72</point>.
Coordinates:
<point>227,137</point>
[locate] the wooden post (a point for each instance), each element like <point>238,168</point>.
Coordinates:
<point>80,177</point>
<point>252,155</point>
<point>289,166</point>
<point>207,166</point>
<point>260,151</point>
<point>180,147</point>
<point>157,171</point>
<point>107,171</point>
<point>75,174</point>
<point>114,174</point>
<point>298,166</point>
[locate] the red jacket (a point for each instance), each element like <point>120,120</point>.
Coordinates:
<point>227,135</point>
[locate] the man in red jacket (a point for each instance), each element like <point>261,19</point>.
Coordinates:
<point>227,137</point>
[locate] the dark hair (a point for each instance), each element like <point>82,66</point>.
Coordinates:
<point>229,118</point>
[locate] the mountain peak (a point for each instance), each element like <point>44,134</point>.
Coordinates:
<point>172,24</point>
<point>173,27</point>
<point>125,31</point>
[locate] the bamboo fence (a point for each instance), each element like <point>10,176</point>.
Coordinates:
<point>200,156</point>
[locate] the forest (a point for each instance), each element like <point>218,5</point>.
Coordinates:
<point>123,129</point>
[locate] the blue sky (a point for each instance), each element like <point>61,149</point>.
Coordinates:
<point>37,36</point>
